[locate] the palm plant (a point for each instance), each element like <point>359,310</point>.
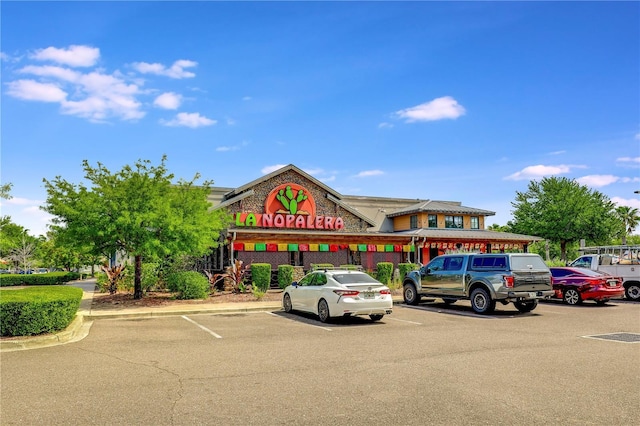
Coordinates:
<point>629,218</point>
<point>234,276</point>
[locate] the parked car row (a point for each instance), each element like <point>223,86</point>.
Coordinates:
<point>484,279</point>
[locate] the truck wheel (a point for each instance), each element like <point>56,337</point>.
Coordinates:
<point>411,296</point>
<point>481,301</point>
<point>572,297</point>
<point>633,292</point>
<point>527,306</point>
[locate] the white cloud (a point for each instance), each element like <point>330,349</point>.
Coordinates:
<point>369,173</point>
<point>629,161</point>
<point>557,152</point>
<point>631,202</point>
<point>437,109</point>
<point>246,98</point>
<point>385,126</point>
<point>327,179</point>
<point>227,148</point>
<point>638,136</point>
<point>539,171</point>
<point>31,90</point>
<point>75,56</point>
<point>314,172</point>
<point>96,95</point>
<point>60,73</point>
<point>177,70</point>
<point>185,119</point>
<point>168,100</point>
<point>597,181</point>
<point>17,201</point>
<point>105,96</point>
<point>270,169</point>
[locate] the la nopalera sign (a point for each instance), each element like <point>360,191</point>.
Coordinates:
<point>289,206</point>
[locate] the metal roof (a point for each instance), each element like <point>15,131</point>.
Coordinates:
<point>439,207</point>
<point>467,234</point>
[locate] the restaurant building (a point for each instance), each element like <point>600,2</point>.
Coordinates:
<point>290,217</point>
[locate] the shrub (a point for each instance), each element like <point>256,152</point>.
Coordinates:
<point>188,285</point>
<point>51,278</point>
<point>38,309</point>
<point>285,275</point>
<point>316,266</point>
<point>404,268</point>
<point>261,275</point>
<point>385,272</point>
<point>258,293</point>
<point>150,276</point>
<point>351,267</point>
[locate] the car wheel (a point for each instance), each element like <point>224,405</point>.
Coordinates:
<point>410,294</point>
<point>448,301</point>
<point>572,296</point>
<point>323,310</point>
<point>481,301</point>
<point>376,317</point>
<point>527,306</point>
<point>286,303</point>
<point>633,292</point>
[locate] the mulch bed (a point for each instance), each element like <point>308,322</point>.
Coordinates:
<point>155,298</point>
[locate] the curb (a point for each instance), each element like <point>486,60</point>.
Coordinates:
<point>77,330</point>
<point>177,312</point>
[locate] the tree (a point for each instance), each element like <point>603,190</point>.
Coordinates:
<point>137,211</point>
<point>22,255</point>
<point>561,210</point>
<point>629,218</point>
<point>499,228</point>
<point>5,191</point>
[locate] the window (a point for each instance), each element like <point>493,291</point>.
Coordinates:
<point>453,222</point>
<point>475,222</point>
<point>453,264</point>
<point>489,262</point>
<point>413,221</point>
<point>436,264</point>
<point>433,221</point>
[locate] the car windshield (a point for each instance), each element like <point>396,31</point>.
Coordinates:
<point>355,278</point>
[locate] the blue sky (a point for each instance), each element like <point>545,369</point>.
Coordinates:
<point>462,101</point>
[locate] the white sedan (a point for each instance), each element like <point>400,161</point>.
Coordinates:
<point>338,293</point>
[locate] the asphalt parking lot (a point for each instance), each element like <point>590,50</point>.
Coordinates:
<point>429,364</point>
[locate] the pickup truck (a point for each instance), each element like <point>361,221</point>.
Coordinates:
<point>484,279</point>
<point>628,269</point>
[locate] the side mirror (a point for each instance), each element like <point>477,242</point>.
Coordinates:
<point>294,283</point>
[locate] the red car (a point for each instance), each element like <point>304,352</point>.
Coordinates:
<point>574,285</point>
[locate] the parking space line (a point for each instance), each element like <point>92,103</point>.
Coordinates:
<point>410,322</point>
<point>217,336</point>
<point>310,325</point>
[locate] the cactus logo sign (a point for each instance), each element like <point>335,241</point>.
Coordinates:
<point>289,206</point>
